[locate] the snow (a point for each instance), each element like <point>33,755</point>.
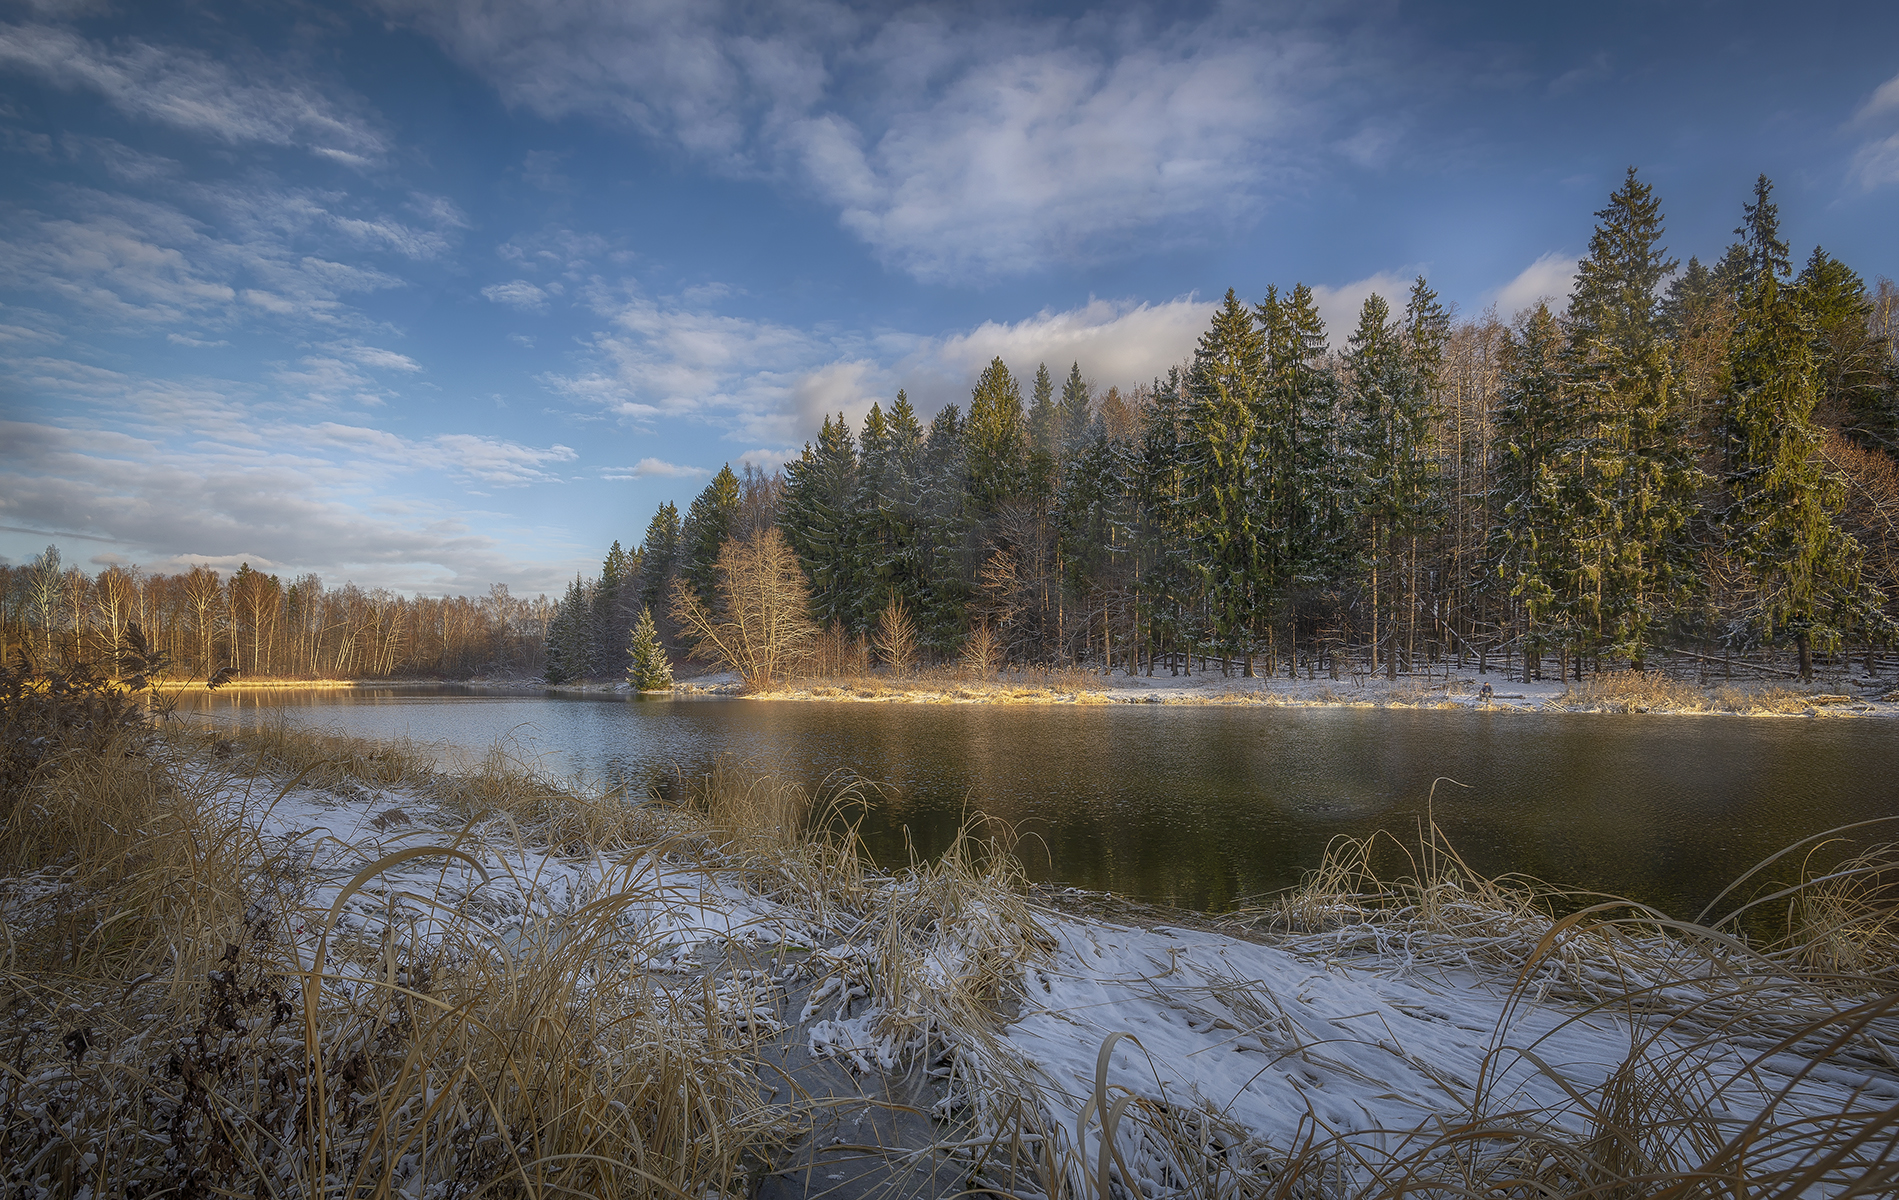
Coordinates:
<point>1276,1043</point>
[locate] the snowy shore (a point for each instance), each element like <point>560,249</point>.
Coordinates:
<point>1363,1033</point>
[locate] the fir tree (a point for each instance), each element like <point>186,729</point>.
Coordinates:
<point>1224,390</point>
<point>816,516</point>
<point>659,555</point>
<point>1783,524</point>
<point>1630,464</point>
<point>649,669</point>
<point>997,439</point>
<point>709,522</point>
<point>1529,493</point>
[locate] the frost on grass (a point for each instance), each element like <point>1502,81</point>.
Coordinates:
<point>385,980</point>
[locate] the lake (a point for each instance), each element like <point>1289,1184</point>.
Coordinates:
<point>1205,807</point>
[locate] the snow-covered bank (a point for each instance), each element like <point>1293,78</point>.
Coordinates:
<point>327,966</point>
<point>1453,689</point>
<point>1352,1040</point>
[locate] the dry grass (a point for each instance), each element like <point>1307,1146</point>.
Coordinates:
<point>181,1018</point>
<point>172,1028</point>
<point>1708,1009</point>
<point>1027,685</point>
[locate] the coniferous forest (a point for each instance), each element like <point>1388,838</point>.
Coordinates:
<point>1690,459</point>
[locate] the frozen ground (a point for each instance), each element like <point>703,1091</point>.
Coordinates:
<point>1260,1044</point>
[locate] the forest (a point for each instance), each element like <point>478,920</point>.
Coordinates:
<point>1692,459</point>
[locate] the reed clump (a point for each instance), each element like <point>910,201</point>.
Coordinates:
<point>1637,691</point>
<point>190,1005</point>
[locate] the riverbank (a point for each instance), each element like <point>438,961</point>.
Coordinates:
<point>1657,691</point>
<point>299,962</point>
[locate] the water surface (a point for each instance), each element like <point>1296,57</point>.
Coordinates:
<point>1203,807</point>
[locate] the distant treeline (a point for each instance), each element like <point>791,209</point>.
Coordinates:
<point>265,627</point>
<point>1686,457</point>
<point>1695,457</point>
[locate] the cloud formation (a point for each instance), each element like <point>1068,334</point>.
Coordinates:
<point>1877,161</point>
<point>1550,278</point>
<point>956,146</point>
<point>186,89</point>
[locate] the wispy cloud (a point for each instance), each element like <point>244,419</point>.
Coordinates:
<point>957,146</point>
<point>1876,163</point>
<point>255,102</point>
<point>760,380</point>
<point>517,293</point>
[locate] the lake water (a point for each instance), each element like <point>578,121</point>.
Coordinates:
<point>1205,807</point>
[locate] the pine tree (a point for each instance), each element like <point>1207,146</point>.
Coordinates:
<point>1073,412</point>
<point>1224,389</point>
<point>1783,522</point>
<point>708,524</point>
<point>569,644</point>
<point>1631,462</point>
<point>1530,540</point>
<point>649,669</point>
<point>997,438</point>
<point>816,515</point>
<point>1856,389</point>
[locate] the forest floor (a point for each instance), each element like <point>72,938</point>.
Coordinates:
<point>498,970</point>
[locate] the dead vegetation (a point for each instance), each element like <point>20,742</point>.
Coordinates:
<point>196,1006</point>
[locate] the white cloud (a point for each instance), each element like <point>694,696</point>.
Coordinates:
<point>1876,163</point>
<point>517,294</point>
<point>142,262</point>
<point>763,380</point>
<point>957,145</point>
<point>1550,278</point>
<point>183,472</point>
<point>654,468</point>
<point>1884,100</point>
<point>190,90</point>
<point>1339,306</point>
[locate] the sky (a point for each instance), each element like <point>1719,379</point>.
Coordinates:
<point>432,295</point>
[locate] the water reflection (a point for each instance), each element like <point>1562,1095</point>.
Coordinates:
<point>1202,807</point>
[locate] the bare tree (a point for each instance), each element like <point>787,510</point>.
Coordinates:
<point>896,636</point>
<point>982,651</point>
<point>760,624</point>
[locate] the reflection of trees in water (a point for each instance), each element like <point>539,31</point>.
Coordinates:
<point>1205,807</point>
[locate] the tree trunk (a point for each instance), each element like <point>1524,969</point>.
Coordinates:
<point>1805,645</point>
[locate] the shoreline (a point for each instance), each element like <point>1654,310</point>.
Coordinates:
<point>1622,692</point>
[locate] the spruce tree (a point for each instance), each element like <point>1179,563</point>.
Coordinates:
<point>997,438</point>
<point>659,556</point>
<point>1855,385</point>
<point>649,669</point>
<point>1530,497</point>
<point>1630,462</point>
<point>1220,451</point>
<point>1073,413</point>
<point>709,522</point>
<point>1389,433</point>
<point>1783,523</point>
<point>1044,431</point>
<point>816,516</point>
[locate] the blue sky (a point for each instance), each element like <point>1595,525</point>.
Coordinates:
<point>431,295</point>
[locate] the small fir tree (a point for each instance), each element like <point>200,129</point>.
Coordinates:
<point>649,671</point>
